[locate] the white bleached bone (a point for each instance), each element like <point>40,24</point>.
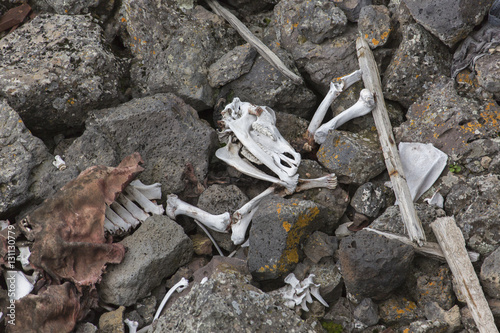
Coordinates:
<point>230,155</point>
<point>19,284</point>
<point>436,200</point>
<point>132,208</point>
<point>24,255</point>
<point>142,200</point>
<point>255,128</point>
<point>59,163</point>
<point>125,214</point>
<point>300,292</point>
<point>179,286</point>
<point>328,181</point>
<point>363,106</point>
<point>152,192</point>
<point>335,89</point>
<point>243,216</point>
<point>176,206</point>
<point>132,325</point>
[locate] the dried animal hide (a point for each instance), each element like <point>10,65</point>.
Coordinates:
<point>68,228</point>
<point>56,309</point>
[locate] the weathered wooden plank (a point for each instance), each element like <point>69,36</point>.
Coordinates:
<point>452,243</point>
<point>247,35</point>
<point>371,79</point>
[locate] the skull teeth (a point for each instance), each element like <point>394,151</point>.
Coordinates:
<point>262,129</point>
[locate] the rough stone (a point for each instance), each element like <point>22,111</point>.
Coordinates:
<point>332,58</point>
<point>446,20</point>
<point>452,123</point>
<point>372,265</point>
<point>232,65</point>
<point>155,251</point>
<point>367,312</point>
<point>328,276</point>
<point>246,7</point>
<point>320,245</point>
<point>340,316</point>
<point>398,310</point>
<point>490,274</point>
<point>72,7</point>
<point>451,317</point>
<point>353,157</point>
<point>291,127</point>
<point>468,321</point>
<point>391,220</point>
<point>425,326</point>
<point>370,198</point>
<point>146,308</point>
<point>20,155</point>
<point>162,128</point>
<point>375,25</point>
<point>352,8</point>
<point>474,203</point>
<point>55,69</point>
<point>419,61</point>
<point>278,232</point>
<point>174,49</point>
<point>85,328</point>
<point>227,302</point>
<point>488,73</point>
<point>112,322</point>
<point>202,245</point>
<point>265,85</point>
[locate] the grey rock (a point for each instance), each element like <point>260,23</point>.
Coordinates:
<point>246,7</point>
<point>468,321</point>
<point>370,198</point>
<point>227,302</point>
<point>472,202</point>
<point>320,245</point>
<point>446,20</point>
<point>155,251</point>
<point>420,59</point>
<point>426,326</point>
<point>375,25</point>
<point>490,274</point>
<point>488,73</point>
<point>232,65</point>
<point>328,276</point>
<point>452,123</point>
<point>162,128</point>
<point>353,157</point>
<point>218,199</point>
<point>72,7</point>
<point>399,309</point>
<point>451,318</point>
<point>174,51</point>
<point>86,328</point>
<point>352,8</point>
<point>333,57</point>
<point>367,312</point>
<point>291,127</point>
<point>391,220</point>
<point>341,313</point>
<point>55,78</point>
<point>265,85</point>
<point>372,265</point>
<point>279,230</point>
<point>21,154</point>
<point>146,308</point>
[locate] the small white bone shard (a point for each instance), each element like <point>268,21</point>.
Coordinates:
<point>19,284</point>
<point>142,200</point>
<point>152,192</point>
<point>244,215</point>
<point>59,163</point>
<point>436,200</point>
<point>328,181</point>
<point>255,128</point>
<point>176,206</point>
<point>363,106</point>
<point>179,286</point>
<point>23,257</point>
<point>299,293</point>
<point>132,325</point>
<point>335,89</point>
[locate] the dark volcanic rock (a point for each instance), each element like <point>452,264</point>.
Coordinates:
<point>232,65</point>
<point>449,20</point>
<point>420,59</point>
<point>320,245</point>
<point>488,73</point>
<point>278,231</point>
<point>162,128</point>
<point>375,25</point>
<point>369,199</point>
<point>490,274</point>
<point>55,69</point>
<point>372,265</point>
<point>155,251</point>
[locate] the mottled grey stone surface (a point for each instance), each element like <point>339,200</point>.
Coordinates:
<point>231,65</point>
<point>488,73</point>
<point>375,25</point>
<point>370,198</point>
<point>155,251</point>
<point>490,274</point>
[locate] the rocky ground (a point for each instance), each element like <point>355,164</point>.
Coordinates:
<point>96,81</point>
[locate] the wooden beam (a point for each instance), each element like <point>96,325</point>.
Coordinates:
<point>371,79</point>
<point>247,35</point>
<point>452,243</point>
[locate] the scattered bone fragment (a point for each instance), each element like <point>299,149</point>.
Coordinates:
<point>179,286</point>
<point>298,293</point>
<point>132,325</point>
<point>59,163</point>
<point>328,181</point>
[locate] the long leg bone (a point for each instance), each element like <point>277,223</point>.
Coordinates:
<point>244,215</point>
<point>363,106</point>
<point>328,181</point>
<point>176,206</point>
<point>335,89</point>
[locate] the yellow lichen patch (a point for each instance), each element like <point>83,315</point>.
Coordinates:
<point>286,226</point>
<point>123,19</point>
<point>375,42</point>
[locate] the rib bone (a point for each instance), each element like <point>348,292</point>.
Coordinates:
<point>176,206</point>
<point>363,106</point>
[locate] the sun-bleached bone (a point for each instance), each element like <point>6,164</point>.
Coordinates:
<point>300,292</point>
<point>23,257</point>
<point>176,206</point>
<point>255,127</point>
<point>59,163</point>
<point>329,181</point>
<point>363,106</point>
<point>152,192</point>
<point>132,208</point>
<point>132,325</point>
<point>230,155</point>
<point>243,216</point>
<point>335,89</point>
<point>141,199</point>
<point>179,286</point>
<point>21,283</point>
